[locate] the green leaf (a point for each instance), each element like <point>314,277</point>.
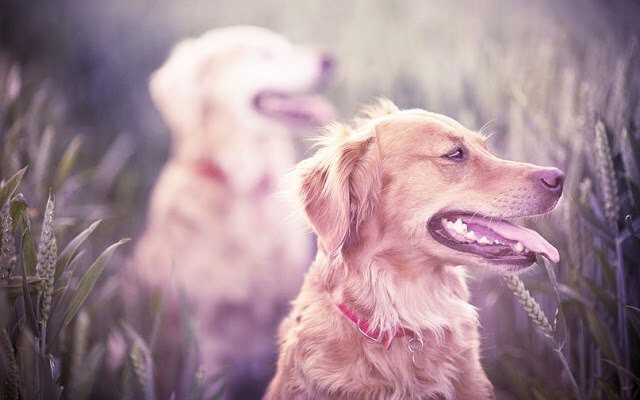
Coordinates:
<point>17,209</point>
<point>67,162</point>
<point>29,255</point>
<point>85,286</point>
<point>6,191</point>
<point>70,250</point>
<point>14,287</point>
<point>41,163</point>
<point>28,303</point>
<point>12,138</point>
<point>63,280</point>
<point>64,292</point>
<point>560,323</point>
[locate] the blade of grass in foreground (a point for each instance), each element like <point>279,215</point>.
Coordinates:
<point>70,250</point>
<point>85,286</point>
<point>7,190</point>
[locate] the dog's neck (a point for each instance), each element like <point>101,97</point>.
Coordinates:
<point>428,303</point>
<point>244,164</point>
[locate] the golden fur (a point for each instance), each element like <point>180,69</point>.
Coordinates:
<point>368,193</point>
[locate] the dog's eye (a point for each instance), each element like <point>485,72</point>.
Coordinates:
<point>458,154</point>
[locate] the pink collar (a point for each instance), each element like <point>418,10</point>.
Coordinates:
<point>210,170</point>
<point>214,172</point>
<point>383,337</point>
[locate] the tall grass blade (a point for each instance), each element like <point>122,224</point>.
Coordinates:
<point>29,254</point>
<point>632,173</point>
<point>85,286</point>
<point>623,333</point>
<point>29,308</point>
<point>9,368</point>
<point>560,323</point>
<point>114,161</point>
<point>6,191</point>
<point>41,162</point>
<point>17,209</point>
<point>141,360</point>
<point>606,174</point>
<point>70,250</point>
<point>67,162</point>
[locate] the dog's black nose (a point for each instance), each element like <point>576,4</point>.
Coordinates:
<point>552,179</point>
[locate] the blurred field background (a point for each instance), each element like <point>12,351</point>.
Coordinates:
<point>558,83</point>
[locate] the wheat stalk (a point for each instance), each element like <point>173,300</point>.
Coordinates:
<point>584,190</point>
<point>629,162</point>
<point>78,353</point>
<point>138,361</point>
<point>7,246</point>
<point>606,174</point>
<point>530,305</point>
<point>46,265</point>
<point>12,381</point>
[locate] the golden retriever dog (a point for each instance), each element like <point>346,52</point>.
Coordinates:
<point>399,202</point>
<point>217,226</point>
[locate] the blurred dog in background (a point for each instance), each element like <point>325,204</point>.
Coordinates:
<point>216,226</point>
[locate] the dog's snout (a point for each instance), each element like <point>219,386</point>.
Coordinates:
<point>552,179</point>
<point>327,63</point>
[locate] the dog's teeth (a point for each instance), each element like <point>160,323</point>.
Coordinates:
<point>460,226</point>
<point>471,235</point>
<point>519,247</point>
<point>496,241</point>
<point>484,240</point>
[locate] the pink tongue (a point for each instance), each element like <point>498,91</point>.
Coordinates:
<point>530,239</point>
<point>314,107</point>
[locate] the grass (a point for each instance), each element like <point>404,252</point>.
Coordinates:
<point>57,333</point>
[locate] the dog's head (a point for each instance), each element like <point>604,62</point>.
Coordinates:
<point>422,183</point>
<point>245,74</point>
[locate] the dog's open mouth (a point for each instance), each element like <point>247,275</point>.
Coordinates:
<point>302,108</point>
<point>496,240</point>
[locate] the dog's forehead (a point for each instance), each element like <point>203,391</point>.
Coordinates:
<point>421,122</point>
<point>242,37</point>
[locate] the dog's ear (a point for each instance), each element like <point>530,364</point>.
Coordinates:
<point>340,186</point>
<point>379,108</point>
<point>173,87</point>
